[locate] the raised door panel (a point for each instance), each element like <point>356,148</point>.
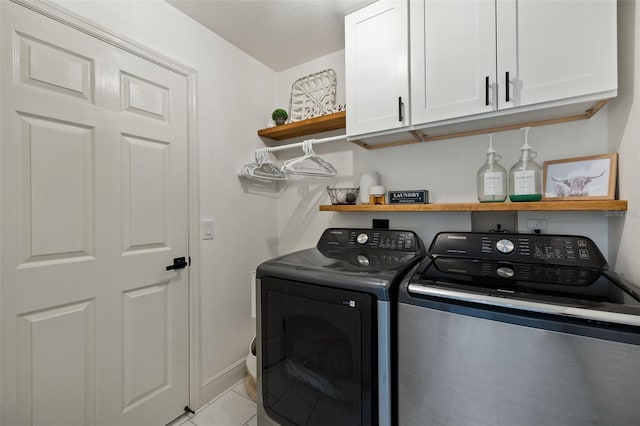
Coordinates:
<point>53,68</point>
<point>145,193</point>
<point>453,53</point>
<point>144,97</point>
<point>564,48</point>
<point>146,351</point>
<point>57,189</point>
<point>56,367</point>
<point>376,62</point>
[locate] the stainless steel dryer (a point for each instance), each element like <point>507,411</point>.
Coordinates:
<point>325,321</point>
<point>518,329</point>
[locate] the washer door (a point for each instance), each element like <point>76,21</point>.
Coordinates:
<point>317,354</point>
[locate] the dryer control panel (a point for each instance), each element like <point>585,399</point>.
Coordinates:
<point>370,239</point>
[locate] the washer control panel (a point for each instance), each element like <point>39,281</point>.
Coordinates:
<point>500,271</point>
<point>569,250</point>
<point>370,239</point>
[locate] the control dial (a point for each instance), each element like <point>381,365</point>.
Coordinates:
<point>504,246</point>
<point>505,272</point>
<point>362,238</point>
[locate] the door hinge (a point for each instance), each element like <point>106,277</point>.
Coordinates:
<point>189,260</point>
<point>188,410</point>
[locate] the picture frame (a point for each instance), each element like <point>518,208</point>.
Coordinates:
<point>581,178</point>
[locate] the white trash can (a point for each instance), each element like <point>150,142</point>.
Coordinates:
<point>252,371</point>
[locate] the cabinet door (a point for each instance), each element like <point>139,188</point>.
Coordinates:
<point>556,49</point>
<point>376,62</point>
<point>453,51</point>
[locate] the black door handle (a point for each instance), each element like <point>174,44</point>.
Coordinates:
<point>178,263</point>
<point>400,117</point>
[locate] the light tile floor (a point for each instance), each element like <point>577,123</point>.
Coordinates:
<point>232,408</point>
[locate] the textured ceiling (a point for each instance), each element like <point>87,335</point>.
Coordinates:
<point>278,33</point>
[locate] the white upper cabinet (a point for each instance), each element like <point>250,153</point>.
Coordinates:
<point>453,59</point>
<point>471,57</point>
<point>376,62</point>
<point>556,49</point>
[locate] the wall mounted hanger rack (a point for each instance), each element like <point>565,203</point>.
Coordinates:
<point>300,144</point>
<point>264,170</point>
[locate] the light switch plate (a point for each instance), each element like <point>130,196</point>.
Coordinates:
<point>207,229</point>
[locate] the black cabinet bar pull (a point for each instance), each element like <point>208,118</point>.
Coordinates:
<point>400,117</point>
<point>486,90</point>
<point>507,86</point>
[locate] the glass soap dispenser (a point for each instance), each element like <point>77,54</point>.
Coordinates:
<point>525,177</point>
<point>492,178</point>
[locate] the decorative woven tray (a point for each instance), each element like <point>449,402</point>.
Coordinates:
<point>313,96</point>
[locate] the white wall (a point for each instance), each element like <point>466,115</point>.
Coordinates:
<point>235,94</point>
<point>624,134</point>
<point>447,169</point>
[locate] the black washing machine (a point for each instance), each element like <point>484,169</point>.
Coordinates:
<point>517,329</point>
<point>325,321</point>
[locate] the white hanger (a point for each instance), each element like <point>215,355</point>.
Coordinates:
<point>263,169</point>
<point>309,164</point>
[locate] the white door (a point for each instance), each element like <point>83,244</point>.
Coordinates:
<point>556,49</point>
<point>453,54</point>
<point>377,67</point>
<point>94,207</point>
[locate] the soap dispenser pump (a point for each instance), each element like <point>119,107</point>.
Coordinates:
<point>492,177</point>
<point>525,177</point>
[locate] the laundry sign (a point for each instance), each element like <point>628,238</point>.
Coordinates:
<point>419,196</point>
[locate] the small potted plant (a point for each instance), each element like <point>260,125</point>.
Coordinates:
<point>279,116</point>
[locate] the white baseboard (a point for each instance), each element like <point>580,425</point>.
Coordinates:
<point>222,381</point>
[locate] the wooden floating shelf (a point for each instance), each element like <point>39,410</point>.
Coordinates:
<point>320,124</point>
<point>586,205</point>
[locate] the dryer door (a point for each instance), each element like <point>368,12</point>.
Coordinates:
<point>317,354</point>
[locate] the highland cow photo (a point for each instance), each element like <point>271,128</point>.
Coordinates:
<point>581,178</point>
